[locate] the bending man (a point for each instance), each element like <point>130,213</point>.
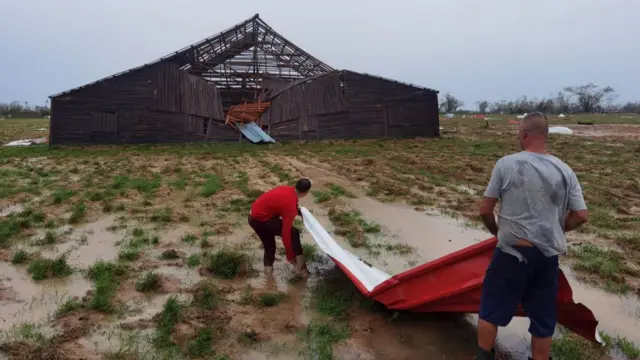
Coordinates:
<point>536,191</point>
<point>272,215</point>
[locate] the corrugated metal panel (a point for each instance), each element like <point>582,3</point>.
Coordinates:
<point>254,133</point>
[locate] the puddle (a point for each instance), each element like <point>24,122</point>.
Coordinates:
<point>434,236</point>
<point>11,209</point>
<point>98,243</point>
<point>24,300</point>
<point>617,315</point>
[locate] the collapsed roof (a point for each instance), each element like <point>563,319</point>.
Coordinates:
<point>238,60</point>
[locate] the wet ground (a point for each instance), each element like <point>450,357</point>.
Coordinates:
<point>375,335</point>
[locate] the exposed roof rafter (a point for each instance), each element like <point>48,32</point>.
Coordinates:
<point>240,56</point>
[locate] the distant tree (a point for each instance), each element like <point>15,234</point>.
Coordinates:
<point>562,103</point>
<point>450,103</point>
<point>591,97</point>
<point>482,106</point>
<point>631,107</point>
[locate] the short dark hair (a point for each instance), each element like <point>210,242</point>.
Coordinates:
<point>303,185</point>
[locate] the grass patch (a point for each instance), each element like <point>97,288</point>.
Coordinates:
<point>333,191</point>
<point>207,296</point>
<point>189,239</point>
<point>228,263</point>
<point>68,306</point>
<point>211,185</point>
<point>629,349</point>
<point>201,345</point>
<point>170,316</point>
<point>310,252</point>
<point>61,195</point>
<point>148,282</point>
<point>107,276</point>
<point>271,299</point>
<point>78,211</point>
<point>169,254</point>
<point>320,338</point>
<point>193,261</point>
<point>20,257</point>
<point>162,216</point>
<point>332,300</point>
<point>40,269</point>
<point>607,264</point>
<point>353,227</point>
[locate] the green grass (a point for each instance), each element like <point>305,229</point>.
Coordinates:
<point>207,296</point>
<point>78,211</point>
<point>320,338</point>
<point>106,277</point>
<point>41,269</point>
<point>201,345</point>
<point>148,282</point>
<point>228,263</point>
<point>310,252</point>
<point>211,185</point>
<point>170,254</point>
<point>189,239</point>
<point>20,257</point>
<point>61,195</point>
<point>629,349</point>
<point>193,260</point>
<point>333,191</point>
<point>271,299</point>
<point>353,227</point>
<point>68,306</point>
<point>171,315</point>
<point>332,300</point>
<point>607,264</point>
<point>162,216</point>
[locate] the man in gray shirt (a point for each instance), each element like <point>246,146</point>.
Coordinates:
<point>540,199</point>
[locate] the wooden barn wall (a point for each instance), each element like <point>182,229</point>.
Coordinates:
<point>319,96</point>
<point>79,116</point>
<point>156,104</point>
<point>175,90</point>
<point>383,108</point>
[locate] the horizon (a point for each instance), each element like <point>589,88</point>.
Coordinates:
<point>582,42</point>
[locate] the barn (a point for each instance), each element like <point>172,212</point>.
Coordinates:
<point>346,104</point>
<point>247,75</point>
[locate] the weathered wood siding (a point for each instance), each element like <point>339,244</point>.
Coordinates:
<point>390,109</point>
<point>155,104</point>
<point>346,104</point>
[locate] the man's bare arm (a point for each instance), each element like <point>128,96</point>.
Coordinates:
<point>486,213</point>
<point>575,219</point>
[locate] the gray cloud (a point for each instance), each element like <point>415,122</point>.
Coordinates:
<point>492,49</point>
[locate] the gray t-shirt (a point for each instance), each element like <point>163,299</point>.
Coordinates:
<point>535,192</point>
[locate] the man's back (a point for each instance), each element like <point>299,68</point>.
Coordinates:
<point>279,201</point>
<point>535,191</point>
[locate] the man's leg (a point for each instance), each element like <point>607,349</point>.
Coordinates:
<point>539,302</point>
<point>268,242</point>
<point>275,226</point>
<point>502,289</point>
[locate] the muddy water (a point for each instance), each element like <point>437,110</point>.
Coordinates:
<point>98,244</point>
<point>24,300</point>
<point>434,236</point>
<point>11,209</point>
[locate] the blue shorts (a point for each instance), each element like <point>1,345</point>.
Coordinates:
<point>509,283</point>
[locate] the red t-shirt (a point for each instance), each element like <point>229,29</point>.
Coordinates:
<point>281,201</point>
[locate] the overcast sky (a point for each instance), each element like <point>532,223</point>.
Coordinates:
<point>475,49</point>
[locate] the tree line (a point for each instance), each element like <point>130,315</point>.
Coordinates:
<point>16,109</point>
<point>588,98</point>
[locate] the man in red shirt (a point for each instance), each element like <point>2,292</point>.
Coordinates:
<point>272,215</point>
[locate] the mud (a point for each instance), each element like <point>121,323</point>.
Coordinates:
<point>25,300</point>
<point>11,209</point>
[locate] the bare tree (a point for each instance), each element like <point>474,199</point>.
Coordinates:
<point>482,106</point>
<point>450,103</point>
<point>591,97</point>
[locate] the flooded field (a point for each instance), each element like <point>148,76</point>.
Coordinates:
<point>148,255</point>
